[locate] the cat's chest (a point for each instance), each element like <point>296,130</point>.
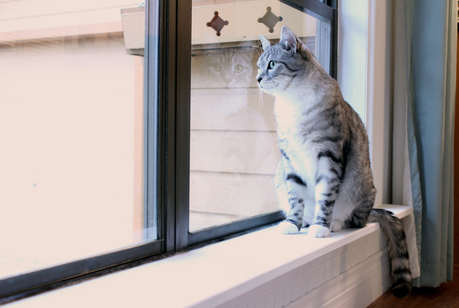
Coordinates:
<point>286,114</point>
<point>300,150</point>
<point>302,155</point>
<point>292,114</point>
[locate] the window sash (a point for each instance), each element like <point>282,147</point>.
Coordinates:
<point>39,279</point>
<point>29,283</point>
<point>185,239</point>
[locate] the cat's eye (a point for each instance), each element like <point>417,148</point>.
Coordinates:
<point>216,67</point>
<point>272,64</point>
<point>238,68</point>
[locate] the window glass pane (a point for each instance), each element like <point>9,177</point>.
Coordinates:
<point>71,131</point>
<point>234,151</point>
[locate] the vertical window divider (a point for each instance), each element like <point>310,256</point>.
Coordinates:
<point>334,40</point>
<point>152,170</point>
<point>183,94</point>
<point>164,119</point>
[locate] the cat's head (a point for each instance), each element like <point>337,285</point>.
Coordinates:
<point>284,64</point>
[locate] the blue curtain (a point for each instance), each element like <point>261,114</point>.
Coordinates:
<point>431,32</point>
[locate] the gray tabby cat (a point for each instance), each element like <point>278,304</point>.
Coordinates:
<point>324,178</point>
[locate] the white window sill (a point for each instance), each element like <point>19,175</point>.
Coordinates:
<point>223,274</point>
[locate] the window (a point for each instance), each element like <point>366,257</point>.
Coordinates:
<point>72,136</point>
<point>118,149</point>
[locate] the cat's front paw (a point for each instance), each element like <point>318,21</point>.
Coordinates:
<point>286,227</point>
<point>318,231</point>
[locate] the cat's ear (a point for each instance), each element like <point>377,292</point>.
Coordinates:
<point>264,42</point>
<point>288,39</point>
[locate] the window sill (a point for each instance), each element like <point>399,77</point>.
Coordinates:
<point>239,272</point>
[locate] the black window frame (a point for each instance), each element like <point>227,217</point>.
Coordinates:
<point>167,148</point>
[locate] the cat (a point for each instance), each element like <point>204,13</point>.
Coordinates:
<point>323,179</point>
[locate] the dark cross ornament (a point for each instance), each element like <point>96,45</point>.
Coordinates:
<point>269,20</point>
<point>217,23</point>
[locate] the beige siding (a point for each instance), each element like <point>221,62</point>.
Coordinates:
<point>232,193</point>
<point>230,109</point>
<point>234,151</point>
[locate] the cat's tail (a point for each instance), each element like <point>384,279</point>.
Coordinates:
<point>392,228</point>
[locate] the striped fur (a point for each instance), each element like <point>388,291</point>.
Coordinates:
<point>323,179</point>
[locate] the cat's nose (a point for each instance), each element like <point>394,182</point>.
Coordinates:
<point>259,79</point>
